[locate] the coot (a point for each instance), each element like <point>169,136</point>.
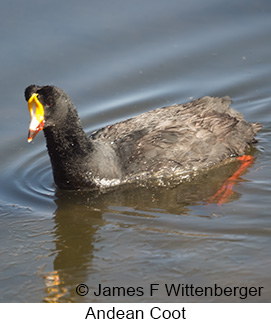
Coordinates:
<point>177,140</point>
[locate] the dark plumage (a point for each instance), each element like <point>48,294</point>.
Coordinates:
<point>176,140</point>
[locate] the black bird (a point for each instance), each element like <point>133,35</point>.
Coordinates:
<point>177,140</point>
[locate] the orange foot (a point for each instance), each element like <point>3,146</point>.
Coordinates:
<point>222,195</point>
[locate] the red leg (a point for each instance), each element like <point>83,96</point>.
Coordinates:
<point>222,195</point>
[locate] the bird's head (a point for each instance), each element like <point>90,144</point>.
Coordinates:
<point>43,107</point>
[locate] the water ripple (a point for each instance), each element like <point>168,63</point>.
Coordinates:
<point>30,179</point>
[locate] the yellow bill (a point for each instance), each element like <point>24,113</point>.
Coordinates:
<point>37,116</point>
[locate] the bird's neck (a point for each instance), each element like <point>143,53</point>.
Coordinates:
<point>69,147</point>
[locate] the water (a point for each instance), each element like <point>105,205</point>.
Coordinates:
<point>116,60</point>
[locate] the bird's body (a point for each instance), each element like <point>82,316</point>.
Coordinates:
<point>175,140</point>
